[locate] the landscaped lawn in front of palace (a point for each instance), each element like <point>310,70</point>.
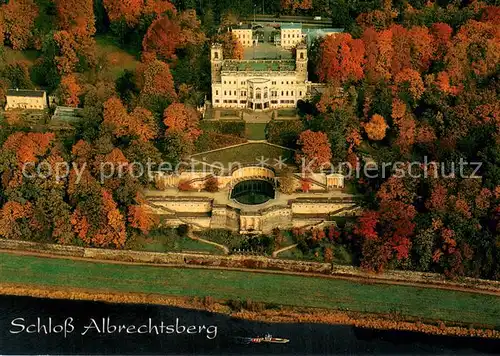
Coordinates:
<point>247,153</point>
<point>280,289</point>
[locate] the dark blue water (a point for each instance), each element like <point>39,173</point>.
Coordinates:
<point>305,338</point>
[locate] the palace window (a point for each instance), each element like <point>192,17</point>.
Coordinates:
<point>225,93</point>
<point>300,93</point>
<point>216,92</point>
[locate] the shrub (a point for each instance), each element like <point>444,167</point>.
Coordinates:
<point>284,133</point>
<point>208,301</point>
<point>183,230</point>
<point>235,304</point>
<point>185,186</point>
<point>328,254</point>
<point>288,185</point>
<point>212,185</point>
<point>254,306</point>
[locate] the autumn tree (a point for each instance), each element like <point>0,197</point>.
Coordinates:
<point>474,51</point>
<point>341,59</point>
<point>141,217</point>
<point>231,46</point>
<point>76,16</point>
<point>2,27</point>
<point>409,85</point>
<point>11,215</point>
<point>422,47</point>
<point>379,53</point>
<point>287,183</point>
<point>169,33</point>
<point>112,232</point>
<point>315,150</point>
<point>129,10</point>
<point>155,81</point>
<point>70,90</point>
<point>182,119</point>
<point>67,58</point>
<point>140,123</point>
<point>376,128</point>
<point>19,20</point>
<point>293,5</point>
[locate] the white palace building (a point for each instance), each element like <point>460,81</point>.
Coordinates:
<point>258,84</point>
<point>264,84</point>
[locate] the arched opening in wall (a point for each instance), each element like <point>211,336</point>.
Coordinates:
<point>253,192</point>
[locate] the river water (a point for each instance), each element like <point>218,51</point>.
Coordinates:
<point>76,327</point>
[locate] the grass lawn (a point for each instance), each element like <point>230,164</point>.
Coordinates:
<point>248,153</point>
<point>170,241</point>
<point>287,113</point>
<point>256,131</point>
<point>10,56</point>
<point>277,289</point>
<point>118,59</point>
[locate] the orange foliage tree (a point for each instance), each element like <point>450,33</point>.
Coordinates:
<point>2,28</point>
<point>409,82</point>
<point>141,217</point>
<point>131,10</point>
<point>376,128</point>
<point>379,53</point>
<point>10,214</point>
<point>67,59</point>
<point>140,123</point>
<point>156,80</point>
<point>422,47</point>
<point>182,119</point>
<point>341,59</point>
<point>231,46</point>
<point>112,232</point>
<point>475,50</point>
<point>315,150</point>
<point>293,5</point>
<point>76,16</point>
<point>19,20</point>
<point>70,90</point>
<point>169,33</point>
<point>28,146</point>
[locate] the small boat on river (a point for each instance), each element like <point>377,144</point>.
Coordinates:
<point>268,338</point>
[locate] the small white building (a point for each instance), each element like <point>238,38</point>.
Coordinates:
<point>26,99</point>
<point>244,34</point>
<point>291,35</point>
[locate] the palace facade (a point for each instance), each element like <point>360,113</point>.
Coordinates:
<point>258,84</point>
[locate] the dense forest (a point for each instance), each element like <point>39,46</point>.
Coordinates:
<point>419,83</point>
